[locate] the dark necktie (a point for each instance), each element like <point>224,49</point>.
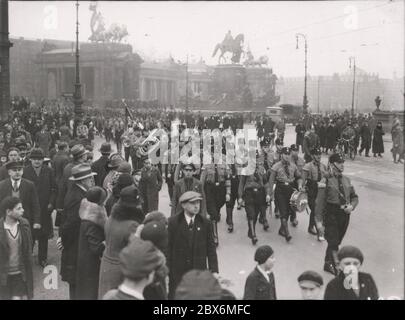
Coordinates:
<point>191,225</point>
<point>342,197</point>
<point>319,172</point>
<point>266,157</point>
<point>287,171</point>
<point>15,186</point>
<point>216,174</point>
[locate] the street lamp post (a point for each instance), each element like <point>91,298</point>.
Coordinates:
<point>319,82</point>
<point>187,84</point>
<point>305,102</point>
<point>354,79</point>
<point>77,96</point>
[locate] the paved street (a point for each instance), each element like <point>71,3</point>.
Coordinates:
<point>376,227</point>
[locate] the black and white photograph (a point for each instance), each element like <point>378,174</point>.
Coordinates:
<point>202,150</point>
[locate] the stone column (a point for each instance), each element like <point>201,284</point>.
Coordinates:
<point>5,45</point>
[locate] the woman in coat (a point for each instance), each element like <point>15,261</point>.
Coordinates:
<point>378,144</point>
<point>125,218</point>
<point>91,243</point>
<point>150,185</point>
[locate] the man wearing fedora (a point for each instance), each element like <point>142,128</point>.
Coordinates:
<point>82,180</point>
<point>23,189</point>
<point>191,241</point>
<point>79,154</point>
<point>43,178</point>
<point>100,166</point>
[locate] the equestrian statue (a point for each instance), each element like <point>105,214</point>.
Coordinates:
<point>229,44</point>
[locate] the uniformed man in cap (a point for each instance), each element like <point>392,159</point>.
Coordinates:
<point>341,199</point>
<point>187,183</point>
<point>299,162</point>
<point>191,244</point>
<point>284,173</point>
<point>217,188</point>
<point>253,190</point>
<point>314,175</point>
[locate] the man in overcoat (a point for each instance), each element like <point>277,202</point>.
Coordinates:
<point>191,244</point>
<point>44,180</point>
<point>23,189</point>
<point>82,178</point>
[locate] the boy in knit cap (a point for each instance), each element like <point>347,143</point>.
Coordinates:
<point>260,284</point>
<point>139,262</point>
<point>351,284</point>
<point>310,283</point>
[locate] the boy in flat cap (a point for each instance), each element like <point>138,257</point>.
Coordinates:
<point>340,200</point>
<point>351,284</point>
<point>310,283</point>
<point>260,284</point>
<point>191,244</point>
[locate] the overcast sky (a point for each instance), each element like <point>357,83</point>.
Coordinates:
<point>372,31</point>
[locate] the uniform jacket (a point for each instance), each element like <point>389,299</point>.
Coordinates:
<point>28,197</point>
<point>45,186</point>
<point>258,288</point>
<point>335,290</point>
<point>150,185</point>
<point>184,255</point>
<point>180,187</point>
<point>27,260</point>
<point>69,232</point>
<point>332,194</point>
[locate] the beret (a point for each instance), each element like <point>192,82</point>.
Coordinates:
<point>350,252</point>
<point>311,276</point>
<point>263,253</point>
<point>157,233</point>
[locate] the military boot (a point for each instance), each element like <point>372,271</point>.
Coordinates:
<point>229,220</point>
<point>215,232</point>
